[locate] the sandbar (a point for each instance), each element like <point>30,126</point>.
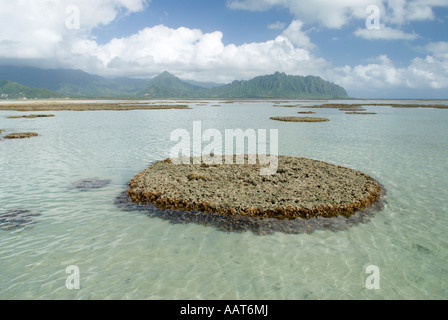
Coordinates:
<point>393,105</point>
<point>88,106</point>
<point>21,135</point>
<point>356,112</point>
<point>32,116</point>
<point>299,119</point>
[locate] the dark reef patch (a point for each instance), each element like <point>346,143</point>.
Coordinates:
<point>17,218</point>
<point>91,183</point>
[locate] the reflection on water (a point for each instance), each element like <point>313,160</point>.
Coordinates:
<point>124,254</point>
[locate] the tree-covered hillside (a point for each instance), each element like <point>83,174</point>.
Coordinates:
<point>13,90</point>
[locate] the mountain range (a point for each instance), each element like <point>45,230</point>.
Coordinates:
<point>35,83</point>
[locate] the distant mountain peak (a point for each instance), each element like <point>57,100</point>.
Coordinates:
<point>165,77</point>
<point>166,74</point>
<point>166,85</point>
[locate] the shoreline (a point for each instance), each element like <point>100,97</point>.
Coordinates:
<point>183,104</point>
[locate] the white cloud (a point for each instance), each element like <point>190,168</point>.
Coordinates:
<point>368,77</point>
<point>37,28</point>
<point>438,49</point>
<point>329,13</point>
<point>298,37</point>
<point>402,11</point>
<point>336,14</point>
<point>385,33</point>
<point>192,54</point>
<point>277,26</point>
<point>430,72</point>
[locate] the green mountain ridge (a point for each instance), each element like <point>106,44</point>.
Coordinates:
<point>79,84</point>
<point>14,90</point>
<point>278,85</point>
<point>281,85</point>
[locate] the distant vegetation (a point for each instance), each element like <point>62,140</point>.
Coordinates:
<point>13,90</point>
<point>79,84</point>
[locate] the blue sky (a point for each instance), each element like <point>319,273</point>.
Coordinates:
<point>224,40</point>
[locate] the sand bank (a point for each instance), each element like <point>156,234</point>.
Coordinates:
<point>299,119</point>
<point>21,135</point>
<point>88,106</point>
<point>346,106</point>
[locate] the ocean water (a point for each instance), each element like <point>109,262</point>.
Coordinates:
<point>128,255</point>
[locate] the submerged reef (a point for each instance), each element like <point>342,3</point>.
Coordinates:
<point>306,112</point>
<point>287,106</point>
<point>90,183</point>
<point>17,218</point>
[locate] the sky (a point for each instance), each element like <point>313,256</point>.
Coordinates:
<point>373,48</point>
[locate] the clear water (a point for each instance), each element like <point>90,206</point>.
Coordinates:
<point>127,255</point>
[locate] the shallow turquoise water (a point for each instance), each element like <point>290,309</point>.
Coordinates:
<point>127,255</point>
